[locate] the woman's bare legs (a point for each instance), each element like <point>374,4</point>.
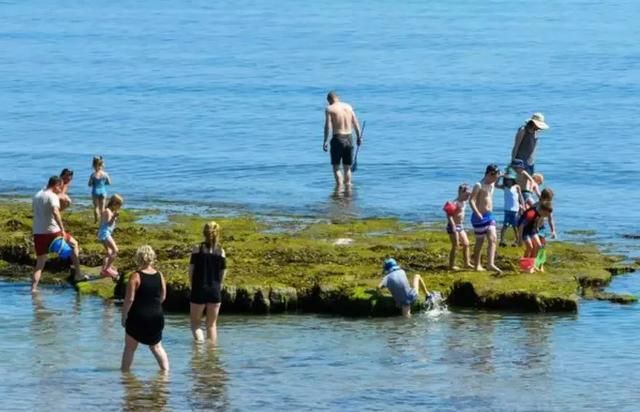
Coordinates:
<point>130,346</point>
<point>160,355</point>
<point>196,311</point>
<point>212,318</point>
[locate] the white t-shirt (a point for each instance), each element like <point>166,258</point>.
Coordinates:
<point>511,199</point>
<point>42,204</point>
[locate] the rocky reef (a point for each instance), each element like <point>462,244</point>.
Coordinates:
<point>278,265</point>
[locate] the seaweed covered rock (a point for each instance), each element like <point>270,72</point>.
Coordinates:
<point>307,265</point>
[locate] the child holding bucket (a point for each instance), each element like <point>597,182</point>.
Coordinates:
<point>455,226</point>
<point>528,228</point>
<point>108,220</point>
<point>98,182</point>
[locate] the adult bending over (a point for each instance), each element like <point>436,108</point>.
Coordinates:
<point>47,226</point>
<point>340,120</point>
<point>142,315</point>
<point>526,141</point>
<point>207,270</point>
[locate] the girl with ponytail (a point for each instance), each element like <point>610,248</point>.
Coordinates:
<point>207,269</point>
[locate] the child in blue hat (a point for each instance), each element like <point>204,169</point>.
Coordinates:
<point>395,279</point>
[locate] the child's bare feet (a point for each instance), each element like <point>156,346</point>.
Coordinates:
<point>479,268</point>
<point>469,266</point>
<point>454,268</point>
<point>496,269</point>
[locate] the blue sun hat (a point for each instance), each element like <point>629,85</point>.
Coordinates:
<point>61,248</point>
<point>390,265</point>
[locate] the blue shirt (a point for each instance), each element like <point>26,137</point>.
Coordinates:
<point>398,285</point>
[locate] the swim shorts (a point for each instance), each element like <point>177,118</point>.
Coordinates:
<point>342,149</point>
<point>482,225</point>
<point>510,218</point>
<point>529,233</point>
<point>527,196</point>
<point>42,241</point>
<point>458,229</point>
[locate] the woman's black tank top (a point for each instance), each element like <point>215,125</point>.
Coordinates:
<point>148,299</point>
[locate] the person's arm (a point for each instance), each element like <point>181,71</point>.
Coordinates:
<point>472,200</point>
<point>552,226</point>
<point>356,126</point>
<point>517,142</point>
<point>58,218</point>
<point>327,129</point>
<point>224,266</point>
<point>452,223</point>
<point>90,180</point>
<point>521,201</point>
<point>132,286</point>
<point>192,265</point>
<point>163,294</point>
<point>108,216</point>
<point>383,283</point>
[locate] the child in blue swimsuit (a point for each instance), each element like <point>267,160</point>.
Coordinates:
<point>98,182</point>
<point>108,220</point>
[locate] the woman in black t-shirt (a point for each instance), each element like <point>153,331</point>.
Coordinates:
<point>206,271</point>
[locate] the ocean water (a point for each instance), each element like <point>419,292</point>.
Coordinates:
<point>218,107</point>
<point>63,351</point>
<point>221,104</point>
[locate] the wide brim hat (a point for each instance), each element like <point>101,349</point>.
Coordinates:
<point>538,120</point>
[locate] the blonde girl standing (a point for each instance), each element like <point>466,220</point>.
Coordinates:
<point>108,220</point>
<point>207,269</point>
<point>98,182</point>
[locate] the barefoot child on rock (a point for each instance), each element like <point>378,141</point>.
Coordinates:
<point>513,202</point>
<point>98,182</point>
<point>455,211</point>
<point>108,220</point>
<point>482,219</point>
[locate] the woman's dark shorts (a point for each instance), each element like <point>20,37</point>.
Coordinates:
<point>342,149</point>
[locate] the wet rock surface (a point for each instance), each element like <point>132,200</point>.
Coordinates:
<point>304,265</point>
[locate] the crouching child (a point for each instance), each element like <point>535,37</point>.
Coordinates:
<point>395,279</point>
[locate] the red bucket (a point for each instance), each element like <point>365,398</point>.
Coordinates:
<point>527,264</point>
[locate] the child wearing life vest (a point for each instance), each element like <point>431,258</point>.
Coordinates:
<point>455,210</point>
<point>529,227</point>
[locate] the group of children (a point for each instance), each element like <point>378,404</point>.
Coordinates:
<point>527,205</point>
<point>105,211</point>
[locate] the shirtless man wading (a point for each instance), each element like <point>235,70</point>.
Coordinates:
<point>484,224</point>
<point>340,119</point>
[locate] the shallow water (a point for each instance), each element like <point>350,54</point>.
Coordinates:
<point>221,106</point>
<point>62,350</point>
<point>212,108</point>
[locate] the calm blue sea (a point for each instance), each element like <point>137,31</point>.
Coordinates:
<point>221,104</point>
<point>218,107</point>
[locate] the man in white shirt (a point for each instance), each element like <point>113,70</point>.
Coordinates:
<point>47,226</point>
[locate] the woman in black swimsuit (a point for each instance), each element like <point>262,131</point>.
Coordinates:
<point>206,272</point>
<point>142,315</point>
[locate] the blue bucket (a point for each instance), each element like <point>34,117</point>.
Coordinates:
<point>61,248</point>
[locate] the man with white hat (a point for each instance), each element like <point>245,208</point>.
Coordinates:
<point>395,279</point>
<point>526,141</point>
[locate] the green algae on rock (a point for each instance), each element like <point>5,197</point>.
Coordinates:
<point>317,266</point>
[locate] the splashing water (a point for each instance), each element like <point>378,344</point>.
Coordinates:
<point>435,305</point>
